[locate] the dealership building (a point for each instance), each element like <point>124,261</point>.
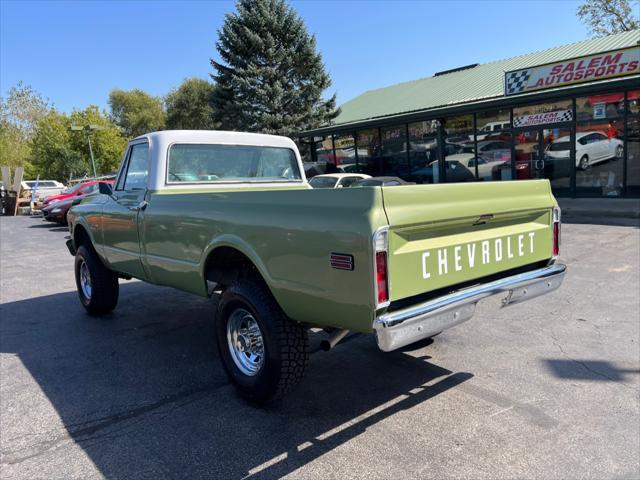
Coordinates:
<point>570,114</point>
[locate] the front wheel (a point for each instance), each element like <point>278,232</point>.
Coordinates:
<point>619,152</point>
<point>97,285</point>
<point>263,352</point>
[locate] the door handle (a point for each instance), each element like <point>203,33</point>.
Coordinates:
<point>141,206</point>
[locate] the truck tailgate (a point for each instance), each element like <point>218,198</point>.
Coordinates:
<point>446,234</point>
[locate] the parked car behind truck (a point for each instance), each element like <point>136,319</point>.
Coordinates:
<point>402,262</point>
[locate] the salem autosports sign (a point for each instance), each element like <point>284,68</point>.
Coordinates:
<point>591,68</point>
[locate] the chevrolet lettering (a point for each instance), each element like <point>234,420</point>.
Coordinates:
<point>461,257</point>
<point>231,216</point>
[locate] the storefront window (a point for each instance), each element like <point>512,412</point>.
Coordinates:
<point>491,124</point>
<point>633,102</point>
<point>305,145</point>
<point>459,149</point>
<point>345,153</point>
<point>324,150</point>
<point>315,163</point>
<point>600,145</point>
<point>633,143</point>
<point>598,107</point>
<point>394,151</point>
<point>494,145</point>
<point>423,151</point>
<point>368,152</point>
<point>599,154</point>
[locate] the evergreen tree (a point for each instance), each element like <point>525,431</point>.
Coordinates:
<point>271,77</point>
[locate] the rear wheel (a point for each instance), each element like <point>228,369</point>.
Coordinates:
<point>263,352</point>
<point>97,285</point>
<point>584,163</point>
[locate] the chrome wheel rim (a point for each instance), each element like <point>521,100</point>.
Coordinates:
<point>85,280</point>
<point>245,343</point>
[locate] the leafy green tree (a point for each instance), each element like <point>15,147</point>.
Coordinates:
<point>23,107</point>
<point>271,78</point>
<point>53,156</point>
<point>62,154</point>
<point>136,112</point>
<point>605,17</point>
<point>189,105</point>
<point>14,150</point>
<point>20,111</point>
<point>107,141</point>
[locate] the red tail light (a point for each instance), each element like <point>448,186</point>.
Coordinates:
<point>556,232</point>
<point>381,277</point>
<point>381,281</point>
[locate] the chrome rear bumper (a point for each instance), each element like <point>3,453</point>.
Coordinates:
<point>402,327</point>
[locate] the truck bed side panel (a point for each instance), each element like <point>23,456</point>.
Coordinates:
<point>288,234</point>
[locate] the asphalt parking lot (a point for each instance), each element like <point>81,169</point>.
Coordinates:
<point>548,389</point>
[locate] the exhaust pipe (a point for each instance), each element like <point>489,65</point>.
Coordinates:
<point>328,343</point>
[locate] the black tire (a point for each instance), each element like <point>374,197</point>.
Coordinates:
<point>584,162</point>
<point>285,343</point>
<point>104,289</point>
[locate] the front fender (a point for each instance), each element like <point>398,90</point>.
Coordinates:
<point>92,229</point>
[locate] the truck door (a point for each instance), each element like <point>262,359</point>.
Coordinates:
<point>120,213</point>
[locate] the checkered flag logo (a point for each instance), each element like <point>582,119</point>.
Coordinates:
<point>517,81</point>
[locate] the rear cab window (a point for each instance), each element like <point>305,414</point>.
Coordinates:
<point>322,182</point>
<point>348,181</point>
<point>215,163</point>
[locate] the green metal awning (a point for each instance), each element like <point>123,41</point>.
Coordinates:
<point>469,85</point>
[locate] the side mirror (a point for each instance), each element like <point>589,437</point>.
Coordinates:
<point>340,186</point>
<point>76,201</point>
<point>105,188</point>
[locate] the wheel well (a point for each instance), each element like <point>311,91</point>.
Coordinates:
<point>81,237</point>
<point>224,265</point>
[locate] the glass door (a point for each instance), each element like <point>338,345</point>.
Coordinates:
<point>527,155</point>
<point>545,152</point>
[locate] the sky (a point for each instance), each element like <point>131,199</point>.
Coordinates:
<point>75,53</point>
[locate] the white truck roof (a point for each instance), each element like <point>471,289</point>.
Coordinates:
<point>167,137</point>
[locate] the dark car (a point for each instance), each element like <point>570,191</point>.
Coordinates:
<point>380,182</point>
<point>456,172</point>
<point>57,212</point>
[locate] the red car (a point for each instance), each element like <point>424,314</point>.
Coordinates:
<point>76,191</point>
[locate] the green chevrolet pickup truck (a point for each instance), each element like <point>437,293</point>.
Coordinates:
<point>231,215</point>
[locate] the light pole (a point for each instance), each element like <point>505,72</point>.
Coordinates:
<point>87,130</point>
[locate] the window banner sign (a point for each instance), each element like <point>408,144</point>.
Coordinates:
<point>617,63</point>
<point>542,118</point>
